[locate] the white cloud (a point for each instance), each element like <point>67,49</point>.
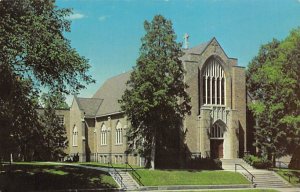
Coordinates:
<point>103,17</point>
<point>75,16</point>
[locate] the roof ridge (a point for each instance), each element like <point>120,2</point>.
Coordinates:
<point>118,75</point>
<point>77,101</point>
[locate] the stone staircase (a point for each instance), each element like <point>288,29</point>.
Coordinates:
<point>269,179</point>
<point>126,182</point>
<point>262,178</point>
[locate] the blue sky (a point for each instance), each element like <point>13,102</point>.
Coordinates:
<point>108,32</point>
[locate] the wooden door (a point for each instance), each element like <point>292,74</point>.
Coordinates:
<point>220,149</point>
<point>216,147</point>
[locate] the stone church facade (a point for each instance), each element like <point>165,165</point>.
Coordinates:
<point>216,127</point>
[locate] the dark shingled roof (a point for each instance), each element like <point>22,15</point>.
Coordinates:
<point>89,106</point>
<point>111,92</point>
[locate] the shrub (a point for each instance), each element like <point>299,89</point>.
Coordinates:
<point>257,162</point>
<point>205,164</point>
<point>262,164</point>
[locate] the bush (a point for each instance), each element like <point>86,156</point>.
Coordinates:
<point>205,164</point>
<point>262,164</point>
<point>257,162</point>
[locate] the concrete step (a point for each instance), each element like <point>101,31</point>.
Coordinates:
<point>262,178</point>
<point>269,179</point>
<point>128,181</point>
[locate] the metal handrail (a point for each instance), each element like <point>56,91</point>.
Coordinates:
<point>118,174</point>
<point>252,176</point>
<point>137,176</point>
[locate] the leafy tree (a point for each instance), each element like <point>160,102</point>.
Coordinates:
<point>156,100</point>
<point>33,46</point>
<point>56,99</point>
<point>54,134</point>
<point>19,124</point>
<point>273,80</point>
<point>33,54</point>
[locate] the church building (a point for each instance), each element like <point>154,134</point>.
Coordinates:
<point>216,127</point>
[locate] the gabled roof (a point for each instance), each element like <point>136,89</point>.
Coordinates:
<point>89,106</point>
<point>198,49</point>
<point>111,92</point>
<point>112,89</point>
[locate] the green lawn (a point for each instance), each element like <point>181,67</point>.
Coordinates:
<point>193,177</point>
<point>294,175</point>
<point>45,176</point>
<point>118,166</point>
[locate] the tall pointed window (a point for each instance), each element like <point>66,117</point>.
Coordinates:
<point>103,135</point>
<point>217,131</point>
<point>74,136</point>
<point>213,84</point>
<point>119,133</point>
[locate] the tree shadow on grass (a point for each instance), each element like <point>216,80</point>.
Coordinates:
<point>41,177</point>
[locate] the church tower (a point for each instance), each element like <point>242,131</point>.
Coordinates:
<point>216,127</point>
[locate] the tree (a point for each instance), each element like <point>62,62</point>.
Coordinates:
<point>155,100</point>
<point>273,80</point>
<point>19,125</point>
<point>33,54</point>
<point>53,132</point>
<point>57,100</point>
<point>33,45</point>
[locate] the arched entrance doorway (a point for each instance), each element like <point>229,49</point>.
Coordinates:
<point>217,139</point>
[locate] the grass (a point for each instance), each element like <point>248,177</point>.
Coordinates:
<point>176,177</point>
<point>118,166</point>
<point>45,176</point>
<point>292,176</point>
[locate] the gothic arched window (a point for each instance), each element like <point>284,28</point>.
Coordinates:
<point>119,133</point>
<point>213,84</point>
<point>217,131</point>
<point>75,136</point>
<point>103,135</point>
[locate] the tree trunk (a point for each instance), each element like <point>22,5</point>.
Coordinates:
<point>153,150</point>
<point>274,160</point>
